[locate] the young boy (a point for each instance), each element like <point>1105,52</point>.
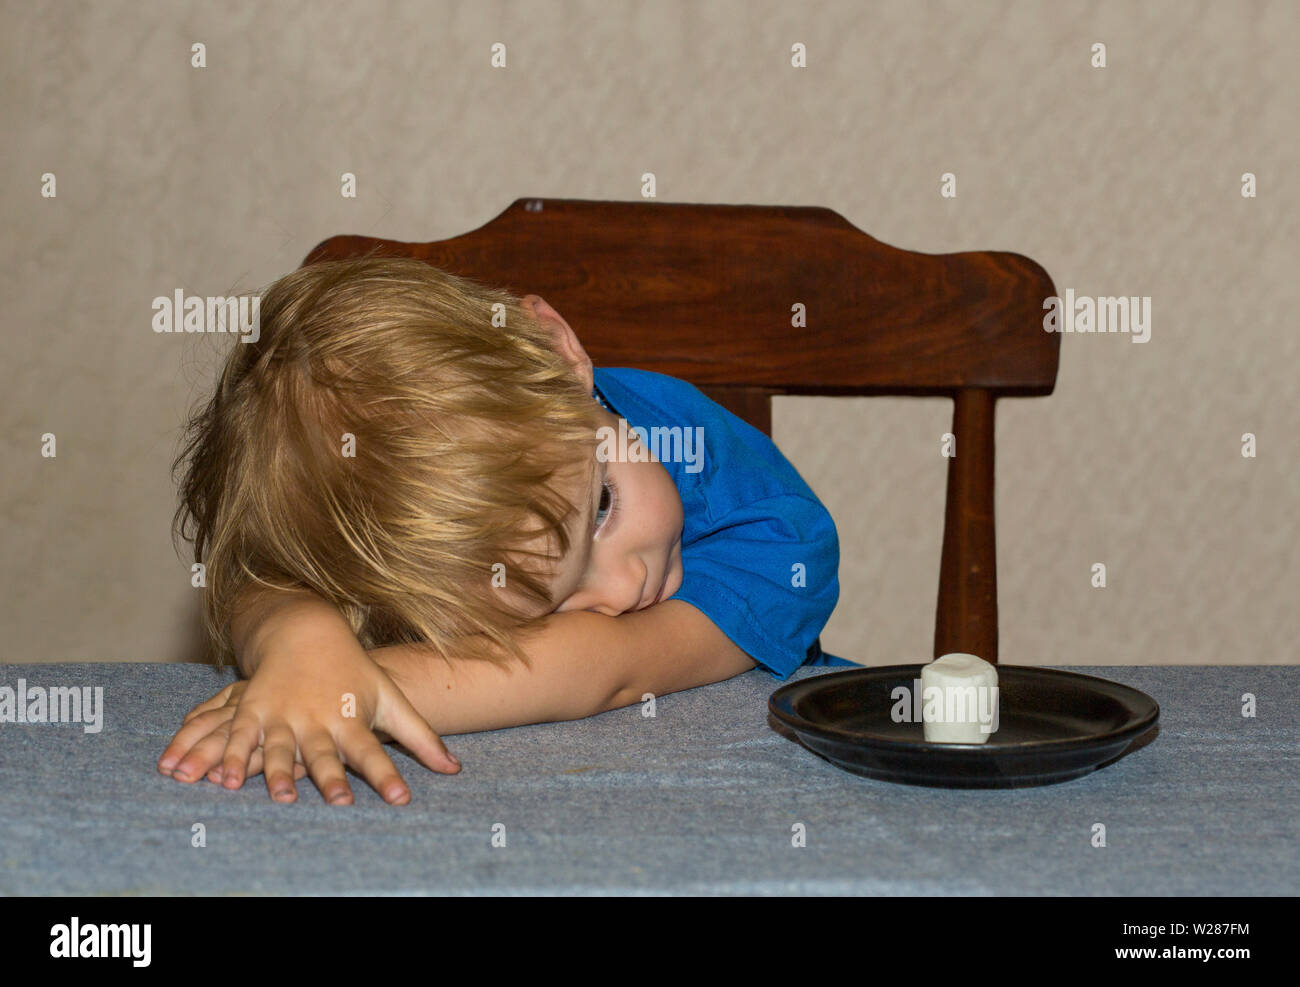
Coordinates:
<point>424,512</point>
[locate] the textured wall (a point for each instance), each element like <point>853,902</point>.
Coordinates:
<point>1118,180</point>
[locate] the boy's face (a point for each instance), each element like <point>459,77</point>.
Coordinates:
<point>625,549</point>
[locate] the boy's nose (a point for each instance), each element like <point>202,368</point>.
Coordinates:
<point>614,605</point>
<point>618,595</point>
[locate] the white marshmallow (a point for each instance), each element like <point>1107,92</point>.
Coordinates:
<point>964,710</point>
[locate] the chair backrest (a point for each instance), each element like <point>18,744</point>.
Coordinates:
<point>750,301</point>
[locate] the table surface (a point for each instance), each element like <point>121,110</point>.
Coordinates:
<point>701,798</point>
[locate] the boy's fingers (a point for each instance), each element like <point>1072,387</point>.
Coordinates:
<point>277,756</point>
<point>322,759</point>
<point>245,735</point>
<point>205,753</point>
<point>190,734</point>
<point>368,757</point>
<point>255,768</point>
<point>217,701</point>
<point>410,729</point>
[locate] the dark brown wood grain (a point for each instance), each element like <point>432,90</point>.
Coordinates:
<point>709,293</point>
<point>967,618</point>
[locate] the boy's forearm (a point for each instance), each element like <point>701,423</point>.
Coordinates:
<point>262,613</point>
<point>581,663</point>
<point>568,679</point>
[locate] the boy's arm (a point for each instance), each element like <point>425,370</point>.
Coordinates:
<point>582,663</point>
<point>260,611</point>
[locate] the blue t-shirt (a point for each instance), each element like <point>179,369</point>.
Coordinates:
<point>759,551</point>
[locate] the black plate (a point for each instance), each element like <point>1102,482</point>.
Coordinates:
<point>1053,726</point>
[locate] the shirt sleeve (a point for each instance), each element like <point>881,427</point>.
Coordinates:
<point>767,574</point>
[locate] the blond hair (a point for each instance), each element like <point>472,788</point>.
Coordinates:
<point>461,426</point>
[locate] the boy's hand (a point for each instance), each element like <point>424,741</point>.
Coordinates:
<point>227,700</point>
<point>294,709</point>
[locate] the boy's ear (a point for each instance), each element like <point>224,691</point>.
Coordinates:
<point>564,338</point>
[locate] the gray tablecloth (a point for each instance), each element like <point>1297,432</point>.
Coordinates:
<point>702,798</point>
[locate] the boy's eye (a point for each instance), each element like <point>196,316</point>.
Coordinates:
<point>606,504</point>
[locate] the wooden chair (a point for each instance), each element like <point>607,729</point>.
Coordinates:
<point>708,293</point>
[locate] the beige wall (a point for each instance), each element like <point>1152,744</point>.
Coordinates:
<point>1122,180</point>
